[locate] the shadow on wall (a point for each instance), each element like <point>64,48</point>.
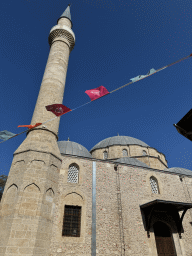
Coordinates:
<point>3,179</point>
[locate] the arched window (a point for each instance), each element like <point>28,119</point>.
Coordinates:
<point>154,185</point>
<point>124,151</point>
<point>73,173</point>
<point>144,153</point>
<point>105,155</point>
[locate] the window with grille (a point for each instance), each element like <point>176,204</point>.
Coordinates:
<point>73,174</point>
<point>125,152</point>
<point>105,155</point>
<point>144,153</point>
<point>154,185</point>
<point>72,221</point>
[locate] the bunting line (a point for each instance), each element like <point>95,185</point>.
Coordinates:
<point>15,135</point>
<point>160,69</point>
<point>139,79</point>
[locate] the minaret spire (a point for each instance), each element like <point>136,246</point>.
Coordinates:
<point>66,14</point>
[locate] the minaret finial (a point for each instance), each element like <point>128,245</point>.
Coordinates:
<point>66,14</point>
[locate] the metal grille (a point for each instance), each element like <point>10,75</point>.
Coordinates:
<point>62,33</point>
<point>72,221</point>
<point>154,186</point>
<point>125,152</point>
<point>73,174</point>
<point>105,155</point>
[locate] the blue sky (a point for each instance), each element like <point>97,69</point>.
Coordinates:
<point>115,41</point>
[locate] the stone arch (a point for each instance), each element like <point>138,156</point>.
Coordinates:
<point>37,160</point>
<point>10,199</point>
<point>11,193</point>
<point>12,186</point>
<point>167,222</point>
<point>49,205</point>
<point>50,192</point>
<point>53,165</point>
<point>18,167</point>
<point>75,194</point>
<point>19,162</point>
<point>31,187</point>
<point>29,201</point>
<point>37,164</point>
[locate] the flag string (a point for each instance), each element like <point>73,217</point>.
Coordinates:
<point>160,69</point>
<point>137,81</point>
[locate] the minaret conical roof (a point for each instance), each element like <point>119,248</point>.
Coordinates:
<point>66,14</point>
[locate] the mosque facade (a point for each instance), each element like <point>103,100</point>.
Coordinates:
<point>121,198</point>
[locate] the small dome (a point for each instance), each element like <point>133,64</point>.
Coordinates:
<point>119,140</point>
<point>180,171</point>
<point>132,161</point>
<point>73,148</point>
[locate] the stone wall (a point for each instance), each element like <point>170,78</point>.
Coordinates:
<point>27,204</point>
<point>135,190</point>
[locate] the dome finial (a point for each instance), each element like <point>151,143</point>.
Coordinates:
<point>117,134</point>
<point>68,138</point>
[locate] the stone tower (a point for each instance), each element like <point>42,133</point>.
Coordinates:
<point>28,201</point>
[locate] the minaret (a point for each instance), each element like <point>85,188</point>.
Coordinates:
<point>28,202</point>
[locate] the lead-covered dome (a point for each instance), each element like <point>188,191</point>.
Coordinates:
<point>73,148</point>
<point>119,140</point>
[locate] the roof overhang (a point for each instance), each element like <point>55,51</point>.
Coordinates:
<point>184,126</point>
<point>151,208</point>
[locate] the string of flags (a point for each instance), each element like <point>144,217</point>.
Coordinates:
<point>94,94</point>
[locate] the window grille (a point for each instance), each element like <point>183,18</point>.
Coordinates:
<point>144,153</point>
<point>72,221</point>
<point>73,174</point>
<point>105,155</point>
<point>154,185</point>
<point>125,152</point>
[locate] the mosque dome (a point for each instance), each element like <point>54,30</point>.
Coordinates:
<point>73,148</point>
<point>131,161</point>
<point>180,171</point>
<point>118,140</point>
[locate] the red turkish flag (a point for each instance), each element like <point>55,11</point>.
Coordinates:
<point>58,109</point>
<point>30,126</point>
<point>97,92</point>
